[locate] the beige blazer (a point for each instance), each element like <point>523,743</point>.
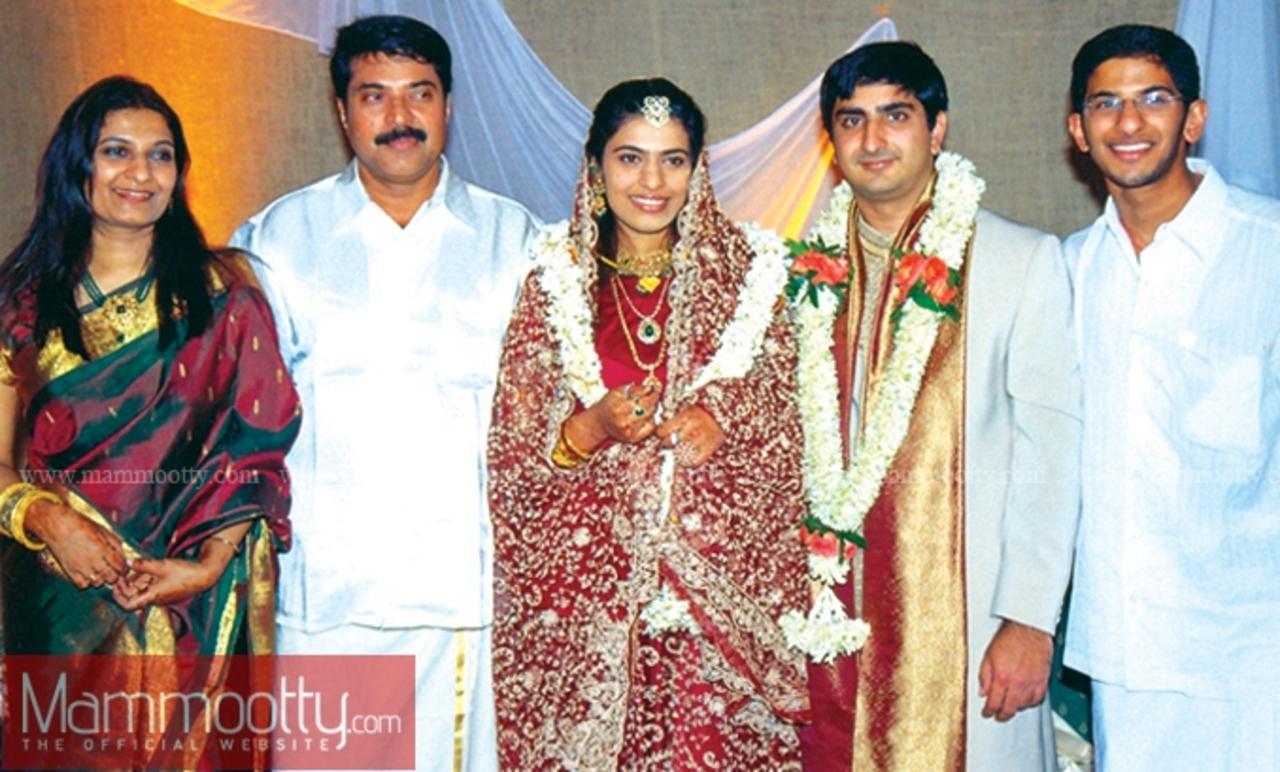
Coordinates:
<point>1022,440</point>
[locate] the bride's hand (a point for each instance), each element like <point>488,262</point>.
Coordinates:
<point>693,434</point>
<point>625,414</point>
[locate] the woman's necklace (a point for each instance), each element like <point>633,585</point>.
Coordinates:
<point>650,380</point>
<point>648,266</point>
<point>648,330</point>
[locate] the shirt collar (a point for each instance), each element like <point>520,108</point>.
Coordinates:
<point>1200,222</point>
<point>451,193</point>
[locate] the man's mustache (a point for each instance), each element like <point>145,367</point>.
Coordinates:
<point>400,132</point>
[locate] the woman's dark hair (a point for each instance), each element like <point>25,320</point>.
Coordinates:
<point>51,256</point>
<point>898,63</point>
<point>393,36</point>
<point>626,100</point>
<point>1136,41</point>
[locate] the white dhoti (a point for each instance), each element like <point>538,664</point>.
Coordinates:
<point>455,728</point>
<point>1148,731</point>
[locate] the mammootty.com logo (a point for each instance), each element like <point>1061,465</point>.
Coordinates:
<point>235,712</point>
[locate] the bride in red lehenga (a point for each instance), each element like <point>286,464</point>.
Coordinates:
<point>645,462</point>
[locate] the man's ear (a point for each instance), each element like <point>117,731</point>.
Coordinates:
<point>342,111</point>
<point>1197,116</point>
<point>1076,129</point>
<point>938,133</point>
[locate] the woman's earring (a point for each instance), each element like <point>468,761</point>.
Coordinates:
<point>599,204</point>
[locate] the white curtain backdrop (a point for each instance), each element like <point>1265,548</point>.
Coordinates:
<point>518,131</point>
<point>1238,45</point>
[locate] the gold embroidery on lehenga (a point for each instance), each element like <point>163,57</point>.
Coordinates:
<point>571,657</point>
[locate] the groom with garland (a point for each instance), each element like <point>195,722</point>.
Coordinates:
<point>940,399</point>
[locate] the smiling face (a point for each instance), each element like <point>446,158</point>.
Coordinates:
<point>883,144</point>
<point>646,177</point>
<point>134,170</point>
<point>395,114</point>
<point>1135,148</point>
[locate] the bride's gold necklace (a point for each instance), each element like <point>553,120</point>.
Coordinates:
<point>649,267</point>
<point>647,330</point>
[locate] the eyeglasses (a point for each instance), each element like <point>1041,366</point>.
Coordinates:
<point>1148,103</point>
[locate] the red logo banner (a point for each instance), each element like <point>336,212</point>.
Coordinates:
<point>237,712</point>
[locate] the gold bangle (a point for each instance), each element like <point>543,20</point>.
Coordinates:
<point>562,457</point>
<point>20,515</point>
<point>235,548</point>
<point>9,499</point>
<point>574,449</point>
<point>565,454</point>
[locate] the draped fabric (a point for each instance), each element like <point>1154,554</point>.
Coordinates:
<point>580,681</point>
<point>1238,45</point>
<point>910,676</point>
<point>777,173</point>
<point>162,448</point>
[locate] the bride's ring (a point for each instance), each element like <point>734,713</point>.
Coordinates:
<point>639,411</point>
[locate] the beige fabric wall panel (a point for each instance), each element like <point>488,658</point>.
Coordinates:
<point>257,109</point>
<point>1007,64</point>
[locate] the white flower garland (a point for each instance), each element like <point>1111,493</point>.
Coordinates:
<point>569,314</point>
<point>839,498</point>
<point>667,613</point>
<point>569,311</point>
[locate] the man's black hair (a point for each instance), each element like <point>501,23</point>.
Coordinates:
<point>393,36</point>
<point>1136,41</point>
<point>896,63</point>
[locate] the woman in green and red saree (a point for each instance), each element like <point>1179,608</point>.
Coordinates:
<point>144,401</point>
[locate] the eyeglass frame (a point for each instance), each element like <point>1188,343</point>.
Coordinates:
<point>1141,102</point>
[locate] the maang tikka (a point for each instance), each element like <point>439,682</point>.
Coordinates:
<point>656,110</point>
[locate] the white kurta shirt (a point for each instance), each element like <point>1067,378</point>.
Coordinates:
<point>1177,576</point>
<point>393,336</point>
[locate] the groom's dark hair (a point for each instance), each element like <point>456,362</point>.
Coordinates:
<point>896,63</point>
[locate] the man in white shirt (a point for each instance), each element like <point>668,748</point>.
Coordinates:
<point>1176,608</point>
<point>391,283</point>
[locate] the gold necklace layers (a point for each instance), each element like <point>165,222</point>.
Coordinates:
<point>648,330</point>
<point>650,380</point>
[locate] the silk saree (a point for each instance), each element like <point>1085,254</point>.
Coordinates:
<point>161,446</point>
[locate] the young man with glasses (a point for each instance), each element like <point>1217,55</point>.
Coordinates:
<point>1176,607</point>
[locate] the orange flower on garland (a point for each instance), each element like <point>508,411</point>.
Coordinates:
<point>815,266</point>
<point>928,282</point>
<point>825,542</point>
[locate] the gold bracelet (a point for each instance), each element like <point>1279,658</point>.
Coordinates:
<point>20,515</point>
<point>9,499</point>
<point>235,548</point>
<point>562,457</point>
<point>565,454</point>
<point>574,449</point>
